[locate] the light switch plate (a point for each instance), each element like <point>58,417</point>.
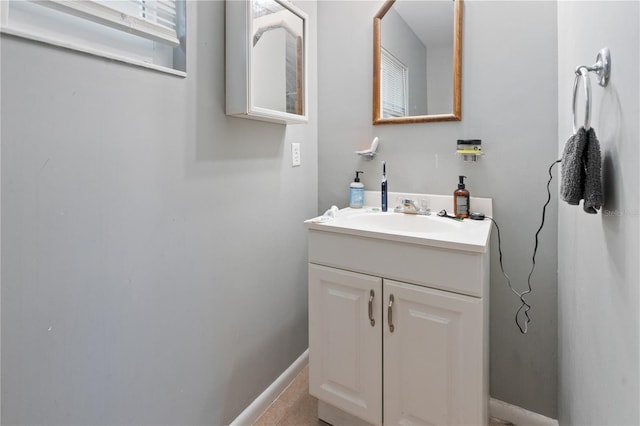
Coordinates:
<point>295,154</point>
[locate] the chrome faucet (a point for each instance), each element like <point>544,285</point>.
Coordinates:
<point>409,207</point>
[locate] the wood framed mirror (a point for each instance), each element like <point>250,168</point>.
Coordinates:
<point>417,61</point>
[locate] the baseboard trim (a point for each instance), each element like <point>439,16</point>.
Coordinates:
<point>270,394</point>
<point>498,409</point>
<point>518,415</point>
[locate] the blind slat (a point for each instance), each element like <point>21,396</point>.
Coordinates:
<point>394,86</point>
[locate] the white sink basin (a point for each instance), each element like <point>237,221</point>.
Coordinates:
<point>401,223</point>
<point>468,235</point>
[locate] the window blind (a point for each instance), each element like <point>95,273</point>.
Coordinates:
<point>394,86</point>
<point>153,19</point>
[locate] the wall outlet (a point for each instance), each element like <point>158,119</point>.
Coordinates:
<point>295,154</point>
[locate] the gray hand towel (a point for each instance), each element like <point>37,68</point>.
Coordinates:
<point>593,177</point>
<point>572,183</point>
<point>581,171</point>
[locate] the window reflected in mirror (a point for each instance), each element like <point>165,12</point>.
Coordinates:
<point>394,86</point>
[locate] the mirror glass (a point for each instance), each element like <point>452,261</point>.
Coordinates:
<point>277,59</point>
<point>417,61</point>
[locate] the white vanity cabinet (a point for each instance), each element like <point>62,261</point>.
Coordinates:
<point>398,330</point>
<point>432,369</point>
<point>345,356</point>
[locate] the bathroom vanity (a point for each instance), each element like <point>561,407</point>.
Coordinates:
<point>398,316</point>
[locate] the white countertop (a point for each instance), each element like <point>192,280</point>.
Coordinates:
<point>466,235</point>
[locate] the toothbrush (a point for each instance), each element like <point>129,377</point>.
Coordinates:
<point>384,187</point>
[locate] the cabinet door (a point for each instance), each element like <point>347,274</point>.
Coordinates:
<point>433,358</point>
<point>345,349</point>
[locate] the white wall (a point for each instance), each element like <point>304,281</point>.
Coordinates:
<point>509,100</point>
<point>598,294</point>
<point>154,259</point>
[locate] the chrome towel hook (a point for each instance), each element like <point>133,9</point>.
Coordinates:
<point>602,68</point>
<point>583,72</point>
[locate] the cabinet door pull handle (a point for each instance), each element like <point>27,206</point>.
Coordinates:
<point>372,321</point>
<point>390,314</point>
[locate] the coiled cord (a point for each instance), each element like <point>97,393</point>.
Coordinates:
<point>525,307</point>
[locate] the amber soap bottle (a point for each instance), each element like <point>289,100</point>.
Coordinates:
<point>461,200</point>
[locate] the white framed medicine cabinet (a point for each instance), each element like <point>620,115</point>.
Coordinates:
<point>266,61</point>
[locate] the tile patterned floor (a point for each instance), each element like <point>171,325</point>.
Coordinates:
<point>295,407</point>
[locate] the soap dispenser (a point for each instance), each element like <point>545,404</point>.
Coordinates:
<point>356,192</point>
<point>461,200</point>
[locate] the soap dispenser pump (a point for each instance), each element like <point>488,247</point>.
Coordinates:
<point>356,192</point>
<point>461,200</point>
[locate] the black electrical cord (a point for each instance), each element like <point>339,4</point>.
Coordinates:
<point>525,306</point>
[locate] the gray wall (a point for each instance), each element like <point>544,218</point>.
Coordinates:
<point>510,105</point>
<point>439,70</point>
<point>154,258</point>
<point>598,292</point>
<point>398,39</point>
